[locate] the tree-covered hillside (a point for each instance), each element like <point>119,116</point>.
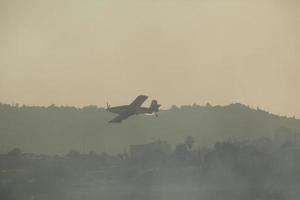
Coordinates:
<point>55,130</point>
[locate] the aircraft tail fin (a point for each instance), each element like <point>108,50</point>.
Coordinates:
<point>107,106</point>
<point>154,106</point>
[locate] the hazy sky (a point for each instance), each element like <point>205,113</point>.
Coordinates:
<point>82,52</point>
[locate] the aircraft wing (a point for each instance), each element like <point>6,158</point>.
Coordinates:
<point>118,109</point>
<point>118,119</point>
<point>139,100</point>
<point>126,111</point>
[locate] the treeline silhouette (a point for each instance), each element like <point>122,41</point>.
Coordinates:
<point>250,169</point>
<point>56,129</point>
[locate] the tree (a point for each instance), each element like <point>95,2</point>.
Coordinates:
<point>189,141</point>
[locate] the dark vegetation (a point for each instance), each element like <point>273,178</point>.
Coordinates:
<point>262,169</point>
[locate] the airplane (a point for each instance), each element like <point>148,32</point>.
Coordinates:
<point>134,108</point>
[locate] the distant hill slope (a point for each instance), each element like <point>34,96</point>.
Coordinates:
<point>55,130</point>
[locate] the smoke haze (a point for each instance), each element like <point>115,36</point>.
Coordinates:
<point>181,52</point>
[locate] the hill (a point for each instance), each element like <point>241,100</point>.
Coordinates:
<point>56,130</point>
